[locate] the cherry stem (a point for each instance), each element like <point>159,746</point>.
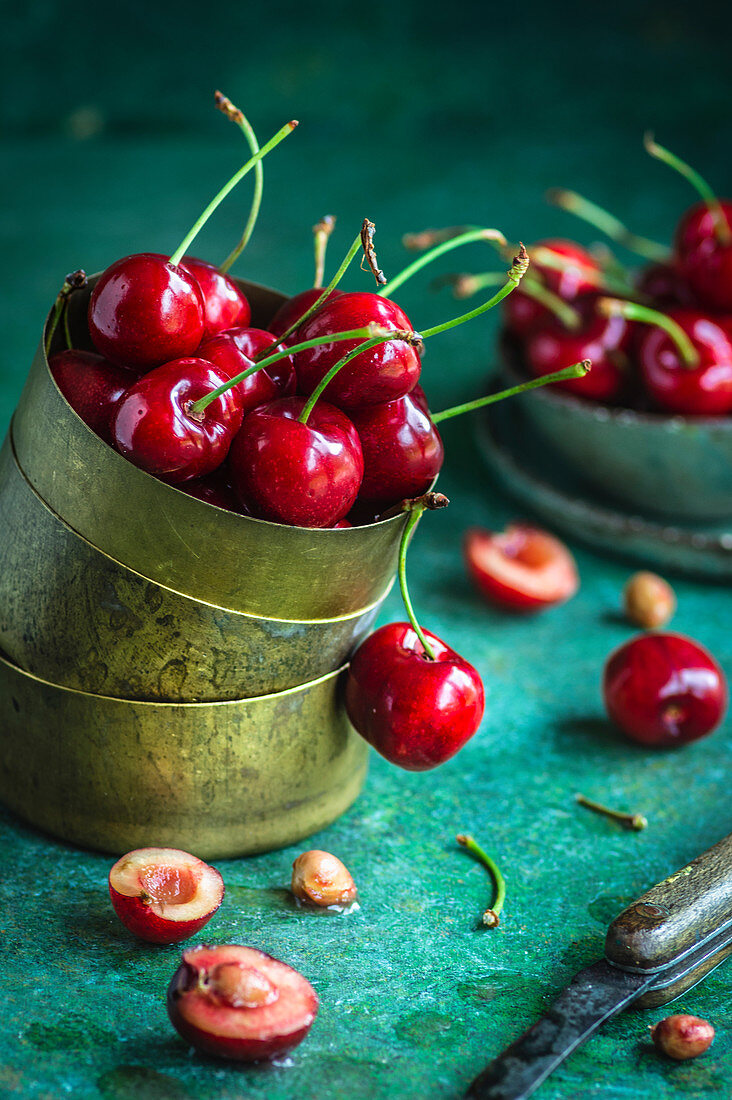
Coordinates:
<point>75,281</point>
<point>493,235</point>
<point>614,307</point>
<point>635,822</point>
<point>608,224</point>
<point>601,280</point>
<point>721,225</point>
<point>491,915</point>
<point>415,508</point>
<point>465,286</point>
<point>235,179</point>
<point>515,274</point>
<point>235,115</point>
<point>577,370</point>
<point>322,232</point>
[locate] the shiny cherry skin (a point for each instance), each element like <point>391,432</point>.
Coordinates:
<point>254,342</point>
<point>664,689</point>
<point>303,475</point>
<point>92,386</point>
<point>156,431</point>
<point>226,352</point>
<point>522,313</point>
<point>224,304</point>
<point>705,390</point>
<point>215,488</point>
<point>144,312</point>
<point>603,340</point>
<point>520,569</point>
<point>384,373</point>
<point>706,262</point>
<point>295,308</point>
<point>402,450</point>
<point>414,711</point>
<point>666,286</point>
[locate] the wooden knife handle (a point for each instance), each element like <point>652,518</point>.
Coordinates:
<point>675,916</point>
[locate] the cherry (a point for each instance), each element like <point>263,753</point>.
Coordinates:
<point>145,311</point>
<point>233,351</point>
<point>665,285</point>
<point>382,373</point>
<point>164,895</point>
<point>236,1002</point>
<point>521,568</point>
<point>215,489</point>
<point>92,386</point>
<point>296,307</point>
<point>577,272</point>
<point>703,388</point>
<point>603,340</point>
<point>155,429</point>
<point>307,475</point>
<point>402,449</point>
<point>664,689</point>
<point>224,304</point>
<point>319,878</point>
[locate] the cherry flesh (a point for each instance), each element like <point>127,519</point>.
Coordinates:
<point>603,340</point>
<point>224,304</point>
<point>306,475</point>
<point>144,311</point>
<point>236,1002</point>
<point>233,352</point>
<point>295,308</point>
<point>415,711</point>
<point>164,895</point>
<point>664,689</point>
<point>92,386</point>
<point>521,568</point>
<point>155,430</point>
<point>402,450</point>
<point>383,373</point>
<point>704,390</point>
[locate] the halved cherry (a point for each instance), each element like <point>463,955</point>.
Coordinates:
<point>164,895</point>
<point>236,1002</point>
<point>522,568</point>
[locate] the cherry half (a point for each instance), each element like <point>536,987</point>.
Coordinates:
<point>521,568</point>
<point>92,386</point>
<point>164,895</point>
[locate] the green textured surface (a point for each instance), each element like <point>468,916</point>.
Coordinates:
<point>410,119</point>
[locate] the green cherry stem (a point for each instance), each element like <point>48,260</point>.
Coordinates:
<point>636,822</point>
<point>235,115</point>
<point>75,281</point>
<point>492,235</point>
<point>415,508</point>
<point>721,226</point>
<point>465,286</point>
<point>321,233</point>
<point>514,276</point>
<point>608,224</point>
<point>491,916</point>
<point>577,370</point>
<point>235,179</point>
<point>614,307</point>
<point>601,280</point>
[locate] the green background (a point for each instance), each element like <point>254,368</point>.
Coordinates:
<point>413,115</point>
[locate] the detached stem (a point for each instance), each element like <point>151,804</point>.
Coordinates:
<point>515,274</point>
<point>235,115</point>
<point>465,286</point>
<point>721,225</point>
<point>608,224</point>
<point>635,822</point>
<point>614,307</point>
<point>577,370</point>
<point>493,235</point>
<point>491,915</point>
<point>322,232</point>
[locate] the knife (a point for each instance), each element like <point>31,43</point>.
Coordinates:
<point>655,950</point>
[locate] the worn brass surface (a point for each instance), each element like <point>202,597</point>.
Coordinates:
<point>216,779</point>
<point>73,615</point>
<point>225,559</point>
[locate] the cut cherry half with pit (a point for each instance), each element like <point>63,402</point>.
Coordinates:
<point>236,1002</point>
<point>164,895</point>
<point>522,568</point>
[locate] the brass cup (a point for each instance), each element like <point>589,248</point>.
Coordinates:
<point>217,779</point>
<point>72,615</point>
<point>198,550</point>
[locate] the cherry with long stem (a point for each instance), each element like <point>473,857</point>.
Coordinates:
<point>235,115</point>
<point>491,916</point>
<point>466,286</point>
<point>608,224</point>
<point>721,225</point>
<point>632,311</point>
<point>494,236</point>
<point>75,281</point>
<point>415,508</point>
<point>577,370</point>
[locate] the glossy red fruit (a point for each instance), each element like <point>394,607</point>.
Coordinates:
<point>233,352</point>
<point>384,373</point>
<point>666,286</point>
<point>705,390</point>
<point>664,689</point>
<point>705,260</point>
<point>295,308</point>
<point>414,711</point>
<point>521,568</point>
<point>92,386</point>
<point>155,429</point>
<point>581,275</point>
<point>305,475</point>
<point>402,450</point>
<point>224,304</point>
<point>214,488</point>
<point>144,311</point>
<point>164,895</point>
<point>236,1002</point>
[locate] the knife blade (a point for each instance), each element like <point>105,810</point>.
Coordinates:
<point>655,950</point>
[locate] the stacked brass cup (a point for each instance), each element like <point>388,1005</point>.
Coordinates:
<point>170,672</point>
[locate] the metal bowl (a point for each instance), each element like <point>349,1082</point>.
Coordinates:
<point>217,779</point>
<point>673,466</point>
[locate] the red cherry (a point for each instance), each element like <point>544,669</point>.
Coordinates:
<point>706,261</point>
<point>383,373</point>
<point>603,340</point>
<point>697,226</point>
<point>295,308</point>
<point>226,352</point>
<point>254,342</point>
<point>215,488</point>
<point>664,690</point>
<point>666,286</point>
<point>414,711</point>
<point>704,390</point>
<point>402,450</point>
<point>521,568</point>
<point>224,304</point>
<point>92,386</point>
<point>581,276</point>
<point>156,431</point>
<point>144,311</point>
<point>305,475</point>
